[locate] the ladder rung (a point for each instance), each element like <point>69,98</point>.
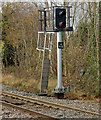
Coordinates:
<point>46,63</point>
<point>41,20</point>
<point>40,49</point>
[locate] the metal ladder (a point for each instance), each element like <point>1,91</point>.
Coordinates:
<point>45,71</point>
<point>46,59</point>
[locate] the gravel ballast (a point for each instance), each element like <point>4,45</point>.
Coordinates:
<point>82,104</point>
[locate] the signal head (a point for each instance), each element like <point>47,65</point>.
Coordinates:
<point>60,18</point>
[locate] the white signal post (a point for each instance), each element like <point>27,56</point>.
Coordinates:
<point>58,25</point>
<point>59,63</point>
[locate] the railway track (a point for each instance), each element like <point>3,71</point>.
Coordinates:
<point>25,110</point>
<point>45,103</point>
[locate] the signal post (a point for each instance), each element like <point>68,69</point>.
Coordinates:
<point>59,24</point>
<point>60,16</point>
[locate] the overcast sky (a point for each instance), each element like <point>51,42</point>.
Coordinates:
<point>49,0</point>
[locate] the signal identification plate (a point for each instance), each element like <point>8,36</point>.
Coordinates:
<point>60,45</point>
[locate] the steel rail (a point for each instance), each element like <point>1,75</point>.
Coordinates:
<point>32,112</point>
<point>54,105</point>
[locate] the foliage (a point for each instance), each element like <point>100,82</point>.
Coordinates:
<point>20,57</point>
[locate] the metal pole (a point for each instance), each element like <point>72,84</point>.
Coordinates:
<point>68,17</point>
<point>45,21</point>
<point>59,63</point>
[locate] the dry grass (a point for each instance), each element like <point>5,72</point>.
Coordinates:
<point>28,85</point>
<point>52,84</point>
<point>33,86</point>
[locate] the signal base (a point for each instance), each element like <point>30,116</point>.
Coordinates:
<point>59,95</point>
